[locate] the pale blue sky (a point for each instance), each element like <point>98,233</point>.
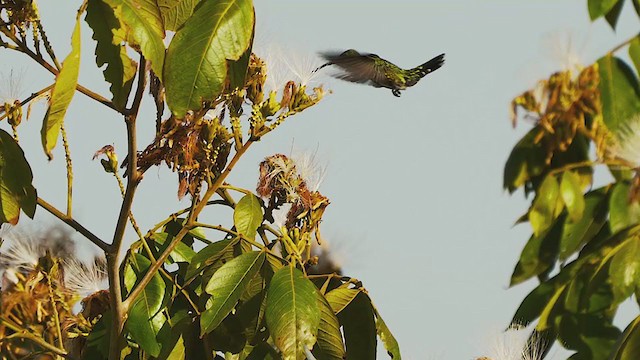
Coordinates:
<point>417,208</point>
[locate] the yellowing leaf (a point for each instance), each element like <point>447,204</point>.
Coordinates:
<point>61,95</point>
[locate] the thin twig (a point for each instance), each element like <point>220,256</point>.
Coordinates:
<point>31,97</point>
<point>623,44</point>
<point>40,60</point>
<point>23,334</point>
<point>74,224</point>
<point>149,252</point>
<point>193,214</point>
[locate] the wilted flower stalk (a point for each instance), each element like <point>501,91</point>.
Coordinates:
<point>281,183</point>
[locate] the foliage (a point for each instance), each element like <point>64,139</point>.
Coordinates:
<point>185,289</point>
<point>585,249</point>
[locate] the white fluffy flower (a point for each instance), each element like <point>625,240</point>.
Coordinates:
<point>11,85</point>
<point>284,65</point>
<point>566,49</point>
<point>85,279</point>
<point>309,168</point>
<point>625,145</point>
<point>513,345</point>
<point>20,250</point>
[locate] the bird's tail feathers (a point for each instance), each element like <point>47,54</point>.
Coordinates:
<point>430,66</point>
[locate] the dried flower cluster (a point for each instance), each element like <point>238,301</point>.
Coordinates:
<point>39,292</point>
<point>198,145</point>
<point>281,183</point>
<point>195,147</point>
<point>563,106</point>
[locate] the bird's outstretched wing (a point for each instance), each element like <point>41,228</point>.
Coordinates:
<point>358,68</point>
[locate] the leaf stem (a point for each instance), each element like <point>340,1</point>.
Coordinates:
<point>623,44</point>
<point>23,334</point>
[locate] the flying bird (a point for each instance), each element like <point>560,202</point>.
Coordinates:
<point>373,70</point>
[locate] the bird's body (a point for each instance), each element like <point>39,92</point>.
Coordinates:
<point>373,70</point>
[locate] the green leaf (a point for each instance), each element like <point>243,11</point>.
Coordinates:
<point>340,298</point>
<point>209,255</point>
<point>181,253</point>
<point>614,14</point>
<point>176,12</point>
<point>571,192</point>
<point>389,341</point>
<point>628,345</point>
<point>196,64</point>
<point>576,234</point>
<point>539,254</point>
<point>238,69</point>
<point>145,30</point>
<point>547,315</point>
<point>526,161</point>
<point>97,343</point>
<point>247,216</point>
<point>251,316</point>
<point>598,8</point>
<point>330,344</point>
<point>634,52</point>
<point>622,212</point>
<point>636,6</point>
<point>533,304</point>
<point>543,209</point>
<point>624,270</point>
<point>62,94</point>
<point>228,336</point>
<point>227,285</point>
<point>110,50</point>
<point>292,312</point>
<point>359,328</point>
<point>619,92</point>
<point>172,336</point>
<point>591,335</point>
<point>145,317</point>
<point>263,351</point>
<point>16,191</point>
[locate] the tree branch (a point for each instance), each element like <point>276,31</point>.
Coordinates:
<point>74,224</point>
<point>113,252</point>
<point>191,221</point>
<point>40,60</point>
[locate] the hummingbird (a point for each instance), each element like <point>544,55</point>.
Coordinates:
<point>373,70</point>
